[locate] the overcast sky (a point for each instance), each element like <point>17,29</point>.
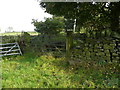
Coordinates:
<point>19,14</point>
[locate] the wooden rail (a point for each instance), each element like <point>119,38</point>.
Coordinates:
<point>10,49</point>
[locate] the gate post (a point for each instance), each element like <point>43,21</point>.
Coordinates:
<point>69,28</point>
<point>69,44</point>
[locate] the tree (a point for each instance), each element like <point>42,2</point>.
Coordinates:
<point>49,26</point>
<point>91,16</point>
<point>9,29</point>
<point>115,16</point>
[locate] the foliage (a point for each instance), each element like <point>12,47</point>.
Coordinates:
<point>96,16</point>
<point>12,37</point>
<point>36,69</point>
<point>25,37</point>
<point>9,39</point>
<point>100,33</point>
<point>24,40</point>
<point>69,24</point>
<point>49,26</point>
<point>45,71</point>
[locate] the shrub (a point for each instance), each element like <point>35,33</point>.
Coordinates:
<point>49,26</point>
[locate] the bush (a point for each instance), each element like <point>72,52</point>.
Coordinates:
<point>24,40</point>
<point>50,26</point>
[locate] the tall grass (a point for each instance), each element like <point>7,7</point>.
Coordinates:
<point>44,71</point>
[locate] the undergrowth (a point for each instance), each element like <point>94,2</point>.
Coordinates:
<point>44,71</point>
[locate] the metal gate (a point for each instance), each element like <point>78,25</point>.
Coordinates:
<point>10,49</point>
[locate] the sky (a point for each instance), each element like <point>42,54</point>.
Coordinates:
<point>18,14</point>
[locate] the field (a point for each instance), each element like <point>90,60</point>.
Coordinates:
<point>16,33</point>
<point>39,69</point>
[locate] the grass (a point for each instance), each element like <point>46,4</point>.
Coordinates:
<point>37,70</point>
<point>33,70</point>
<point>16,33</point>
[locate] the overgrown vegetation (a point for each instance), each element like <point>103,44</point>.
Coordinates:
<point>45,71</point>
<point>52,25</point>
<point>91,16</point>
<point>87,58</point>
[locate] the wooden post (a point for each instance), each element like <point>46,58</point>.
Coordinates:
<point>69,44</point>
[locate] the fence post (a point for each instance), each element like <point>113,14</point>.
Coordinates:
<point>69,44</point>
<point>19,48</point>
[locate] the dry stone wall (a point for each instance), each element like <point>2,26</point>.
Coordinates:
<point>105,49</point>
